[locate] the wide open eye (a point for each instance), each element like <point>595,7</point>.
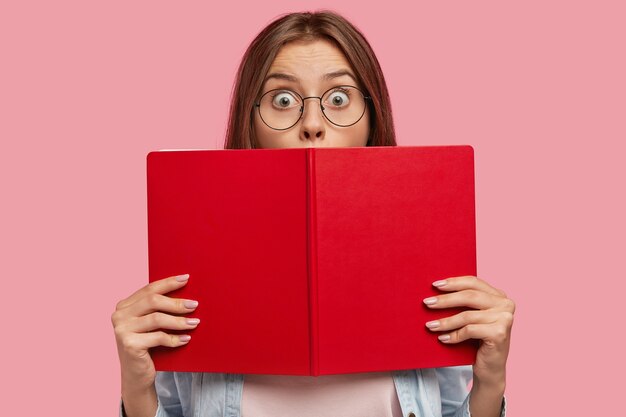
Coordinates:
<point>338,98</point>
<point>284,99</point>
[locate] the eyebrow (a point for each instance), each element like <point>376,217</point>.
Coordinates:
<point>326,77</point>
<point>337,74</point>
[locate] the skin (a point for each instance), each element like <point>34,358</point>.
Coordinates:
<point>141,321</point>
<point>307,63</point>
<point>490,322</point>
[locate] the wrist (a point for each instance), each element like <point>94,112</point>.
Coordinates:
<point>135,387</point>
<point>490,379</point>
<point>493,386</point>
<point>137,376</point>
<point>139,403</point>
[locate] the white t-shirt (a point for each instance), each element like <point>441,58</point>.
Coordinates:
<point>362,395</point>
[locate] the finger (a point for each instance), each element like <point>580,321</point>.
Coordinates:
<point>466,283</point>
<point>479,300</point>
<point>493,333</point>
<point>462,319</point>
<point>158,320</point>
<point>161,286</point>
<point>157,302</point>
<point>140,342</point>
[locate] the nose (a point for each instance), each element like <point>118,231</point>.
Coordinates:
<point>313,123</point>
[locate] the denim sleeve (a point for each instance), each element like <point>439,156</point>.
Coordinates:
<point>168,395</point>
<point>454,385</point>
<point>168,402</point>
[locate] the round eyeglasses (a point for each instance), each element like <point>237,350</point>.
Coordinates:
<point>281,109</point>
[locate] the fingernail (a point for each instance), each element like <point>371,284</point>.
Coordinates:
<point>191,304</point>
<point>184,338</point>
<point>433,324</point>
<point>440,283</point>
<point>430,301</point>
<point>193,322</point>
<point>181,278</point>
<point>444,337</point>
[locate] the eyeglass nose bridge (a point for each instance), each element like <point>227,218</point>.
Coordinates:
<point>306,98</point>
<point>302,109</point>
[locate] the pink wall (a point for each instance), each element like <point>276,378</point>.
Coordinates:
<point>87,89</point>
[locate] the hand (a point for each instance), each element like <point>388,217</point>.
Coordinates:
<point>136,320</point>
<point>490,322</point>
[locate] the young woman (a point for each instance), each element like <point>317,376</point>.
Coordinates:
<point>312,80</point>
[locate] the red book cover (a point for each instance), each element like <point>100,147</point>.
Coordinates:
<point>312,261</point>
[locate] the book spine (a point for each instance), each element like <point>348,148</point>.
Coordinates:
<point>312,260</point>
<point>470,151</point>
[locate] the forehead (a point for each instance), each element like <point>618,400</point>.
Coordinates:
<point>309,60</point>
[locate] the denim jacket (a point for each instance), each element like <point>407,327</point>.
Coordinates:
<point>436,392</point>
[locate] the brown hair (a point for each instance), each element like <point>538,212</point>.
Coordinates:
<point>303,27</point>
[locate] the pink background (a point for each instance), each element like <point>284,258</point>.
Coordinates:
<point>88,88</point>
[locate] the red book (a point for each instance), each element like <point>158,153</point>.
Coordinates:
<point>312,261</point>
